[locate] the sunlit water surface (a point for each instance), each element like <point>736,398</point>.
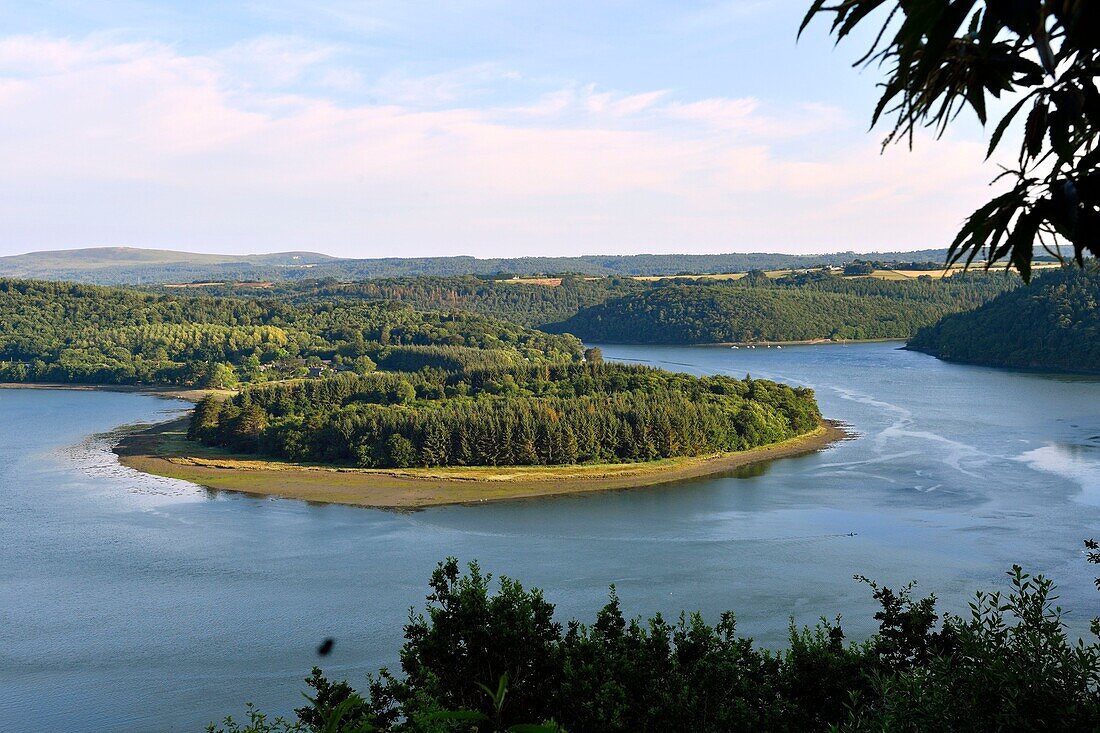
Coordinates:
<point>133,603</point>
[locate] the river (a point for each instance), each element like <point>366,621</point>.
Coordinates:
<point>132,603</point>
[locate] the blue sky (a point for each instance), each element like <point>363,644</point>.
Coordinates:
<point>486,128</point>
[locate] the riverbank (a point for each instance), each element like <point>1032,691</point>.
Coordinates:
<point>163,450</point>
<point>806,342</point>
<point>190,394</point>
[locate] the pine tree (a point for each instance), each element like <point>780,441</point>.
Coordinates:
<point>436,448</point>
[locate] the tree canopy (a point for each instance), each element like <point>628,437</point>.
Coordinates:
<point>799,308</point>
<point>61,332</point>
<point>526,415</point>
<point>477,658</point>
<point>1054,324</point>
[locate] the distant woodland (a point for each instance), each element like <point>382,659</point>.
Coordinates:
<point>61,332</point>
<point>799,308</point>
<point>1052,324</point>
<point>123,265</point>
<point>682,310</point>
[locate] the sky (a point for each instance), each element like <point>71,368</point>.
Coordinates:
<point>404,128</point>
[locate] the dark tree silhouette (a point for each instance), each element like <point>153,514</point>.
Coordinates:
<point>943,56</point>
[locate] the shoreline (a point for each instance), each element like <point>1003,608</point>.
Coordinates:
<point>190,394</point>
<point>746,344</point>
<point>804,342</point>
<point>160,450</point>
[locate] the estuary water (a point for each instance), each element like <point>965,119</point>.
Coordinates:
<point>133,603</point>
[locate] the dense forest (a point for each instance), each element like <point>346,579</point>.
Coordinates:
<point>59,332</point>
<point>543,414</point>
<point>527,304</point>
<point>479,660</point>
<point>869,308</point>
<point>797,308</point>
<point>1052,324</point>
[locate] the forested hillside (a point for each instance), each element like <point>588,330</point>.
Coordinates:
<point>1054,323</point>
<point>527,304</point>
<point>80,333</point>
<point>796,308</point>
<point>528,415</point>
<point>871,306</point>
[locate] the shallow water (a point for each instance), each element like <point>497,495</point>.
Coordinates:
<point>134,603</point>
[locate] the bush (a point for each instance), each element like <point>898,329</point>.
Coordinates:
<point>475,660</point>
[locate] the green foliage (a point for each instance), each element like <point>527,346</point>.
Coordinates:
<point>868,306</point>
<point>943,56</point>
<point>799,308</point>
<point>1008,666</point>
<point>527,304</point>
<point>479,660</point>
<point>859,267</point>
<point>61,332</point>
<point>1053,324</point>
<point>549,414</point>
<point>468,635</point>
<point>256,722</point>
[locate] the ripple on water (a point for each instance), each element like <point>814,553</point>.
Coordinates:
<point>94,457</point>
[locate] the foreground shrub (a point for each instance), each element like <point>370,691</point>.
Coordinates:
<point>478,660</point>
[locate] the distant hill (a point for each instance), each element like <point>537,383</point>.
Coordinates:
<point>1052,324</point>
<point>89,264</point>
<point>116,265</point>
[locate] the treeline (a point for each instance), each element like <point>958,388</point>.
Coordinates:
<point>121,266</point>
<point>479,660</point>
<point>533,305</point>
<point>61,332</point>
<point>895,309</point>
<point>527,415</point>
<point>797,308</point>
<point>1054,323</point>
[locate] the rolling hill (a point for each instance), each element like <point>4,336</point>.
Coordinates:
<point>119,265</point>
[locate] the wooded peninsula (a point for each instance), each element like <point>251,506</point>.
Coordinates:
<point>356,384</point>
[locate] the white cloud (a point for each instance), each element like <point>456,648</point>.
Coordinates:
<point>112,143</point>
<point>439,89</point>
<point>274,61</point>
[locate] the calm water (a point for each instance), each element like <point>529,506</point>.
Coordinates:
<point>131,603</point>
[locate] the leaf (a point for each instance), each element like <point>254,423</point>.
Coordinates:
<point>861,10</point>
<point>975,94</point>
<point>1022,240</point>
<point>815,8</point>
<point>1065,203</point>
<point>1042,47</point>
<point>1035,129</point>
